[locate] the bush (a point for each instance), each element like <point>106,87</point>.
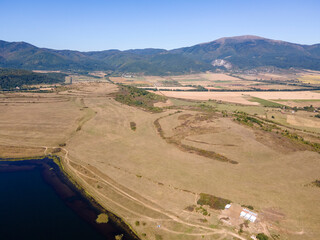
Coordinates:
<point>262,236</point>
<point>213,201</point>
<point>133,126</point>
<point>317,183</point>
<point>248,206</point>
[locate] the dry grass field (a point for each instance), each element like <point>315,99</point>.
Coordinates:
<point>152,175</point>
<point>303,121</point>
<point>28,119</point>
<point>93,77</point>
<point>213,80</point>
<point>310,78</point>
<point>300,102</point>
<point>302,76</point>
<point>269,76</point>
<point>242,97</point>
<point>223,81</point>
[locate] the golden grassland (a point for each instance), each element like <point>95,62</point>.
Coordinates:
<point>225,81</point>
<point>300,102</point>
<point>93,77</point>
<point>310,79</point>
<point>269,76</point>
<point>243,97</point>
<point>154,183</point>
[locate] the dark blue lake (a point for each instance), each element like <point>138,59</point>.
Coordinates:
<point>36,202</point>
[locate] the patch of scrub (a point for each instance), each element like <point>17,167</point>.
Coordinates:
<point>213,201</point>
<point>102,218</point>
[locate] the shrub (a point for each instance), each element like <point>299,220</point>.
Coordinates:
<point>102,218</point>
<point>262,236</point>
<point>133,126</point>
<point>247,206</point>
<point>213,201</point>
<point>317,183</point>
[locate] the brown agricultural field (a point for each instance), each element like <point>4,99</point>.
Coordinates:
<point>233,97</point>
<point>155,174</point>
<point>222,81</point>
<point>268,76</point>
<point>298,76</point>
<point>241,97</point>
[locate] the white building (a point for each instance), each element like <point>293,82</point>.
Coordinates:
<point>248,215</point>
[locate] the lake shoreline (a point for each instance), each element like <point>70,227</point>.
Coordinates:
<point>67,188</point>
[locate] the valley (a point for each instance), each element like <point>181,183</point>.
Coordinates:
<point>151,165</point>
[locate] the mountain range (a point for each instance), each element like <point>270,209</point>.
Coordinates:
<point>232,53</point>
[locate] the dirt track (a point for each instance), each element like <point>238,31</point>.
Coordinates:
<point>207,230</point>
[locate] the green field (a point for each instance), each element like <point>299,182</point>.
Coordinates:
<point>266,103</point>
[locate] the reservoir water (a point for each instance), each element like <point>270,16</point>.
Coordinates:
<point>36,202</point>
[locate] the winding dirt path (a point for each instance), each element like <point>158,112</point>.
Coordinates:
<point>207,230</point>
<point>117,189</point>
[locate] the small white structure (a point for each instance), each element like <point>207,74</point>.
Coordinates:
<point>242,214</point>
<point>252,218</point>
<point>227,206</point>
<point>248,215</point>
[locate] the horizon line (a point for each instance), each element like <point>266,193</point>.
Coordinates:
<point>247,36</point>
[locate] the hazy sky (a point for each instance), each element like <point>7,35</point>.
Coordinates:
<point>122,24</point>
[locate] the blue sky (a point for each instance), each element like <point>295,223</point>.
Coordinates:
<point>122,24</point>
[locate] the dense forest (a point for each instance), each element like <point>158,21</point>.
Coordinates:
<point>12,78</point>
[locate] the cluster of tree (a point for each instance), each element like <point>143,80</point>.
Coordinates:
<point>12,78</point>
<point>133,96</point>
<point>262,236</point>
<point>305,108</point>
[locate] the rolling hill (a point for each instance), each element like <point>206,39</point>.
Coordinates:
<point>247,52</point>
<point>244,52</point>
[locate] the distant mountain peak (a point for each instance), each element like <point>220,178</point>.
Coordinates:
<point>248,51</point>
<point>240,38</point>
<point>230,53</point>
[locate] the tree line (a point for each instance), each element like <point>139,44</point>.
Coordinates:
<point>13,78</point>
